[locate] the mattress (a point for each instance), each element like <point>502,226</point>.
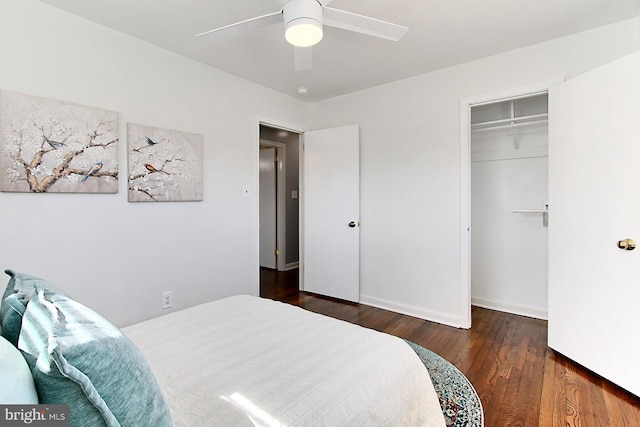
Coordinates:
<point>245,361</point>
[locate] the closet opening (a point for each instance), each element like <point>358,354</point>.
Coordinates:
<point>508,148</point>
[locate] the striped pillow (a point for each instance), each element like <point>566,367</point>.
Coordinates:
<point>78,358</point>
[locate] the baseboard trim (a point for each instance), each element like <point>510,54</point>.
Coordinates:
<point>291,266</point>
<point>409,310</point>
<point>521,310</point>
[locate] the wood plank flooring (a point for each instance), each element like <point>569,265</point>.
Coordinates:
<point>520,381</point>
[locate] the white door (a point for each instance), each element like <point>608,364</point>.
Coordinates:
<point>267,208</point>
<point>594,190</point>
<point>331,212</point>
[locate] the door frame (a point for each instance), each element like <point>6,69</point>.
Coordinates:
<point>276,124</point>
<point>465,184</point>
<point>281,201</point>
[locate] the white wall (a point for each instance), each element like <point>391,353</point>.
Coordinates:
<point>114,256</point>
<point>410,164</point>
<point>509,252</point>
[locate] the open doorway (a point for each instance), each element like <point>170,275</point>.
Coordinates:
<point>509,193</point>
<point>489,105</point>
<point>279,207</point>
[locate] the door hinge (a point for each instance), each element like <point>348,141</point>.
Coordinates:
<point>276,252</point>
<point>276,158</point>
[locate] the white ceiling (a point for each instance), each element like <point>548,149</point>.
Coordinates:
<point>441,33</point>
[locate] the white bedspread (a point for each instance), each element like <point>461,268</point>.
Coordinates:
<point>250,361</point>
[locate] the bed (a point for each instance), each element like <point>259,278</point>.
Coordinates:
<point>252,361</point>
<point>238,361</point>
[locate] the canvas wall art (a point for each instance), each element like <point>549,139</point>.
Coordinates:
<point>50,146</point>
<point>164,165</point>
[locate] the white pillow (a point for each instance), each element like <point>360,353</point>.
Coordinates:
<point>14,371</point>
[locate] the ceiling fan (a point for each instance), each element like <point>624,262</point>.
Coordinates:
<point>303,22</point>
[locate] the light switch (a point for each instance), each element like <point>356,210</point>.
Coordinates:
<point>294,194</point>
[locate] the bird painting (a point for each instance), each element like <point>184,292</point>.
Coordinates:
<point>164,165</point>
<point>54,144</point>
<point>95,168</point>
<point>152,168</point>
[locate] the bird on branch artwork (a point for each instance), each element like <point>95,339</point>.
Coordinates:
<point>164,165</point>
<point>94,169</point>
<point>49,146</point>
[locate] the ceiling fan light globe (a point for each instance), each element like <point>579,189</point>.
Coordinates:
<point>303,32</point>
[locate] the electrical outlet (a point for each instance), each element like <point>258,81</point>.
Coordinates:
<point>167,299</point>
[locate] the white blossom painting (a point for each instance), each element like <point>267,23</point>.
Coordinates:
<point>49,146</point>
<point>164,165</point>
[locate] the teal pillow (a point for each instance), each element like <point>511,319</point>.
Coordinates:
<point>15,377</point>
<point>4,306</point>
<point>10,286</point>
<point>12,317</point>
<point>17,295</point>
<point>78,358</point>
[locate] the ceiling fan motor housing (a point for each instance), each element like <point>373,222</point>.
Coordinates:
<point>303,22</point>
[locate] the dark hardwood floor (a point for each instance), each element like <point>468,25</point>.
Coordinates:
<point>520,381</point>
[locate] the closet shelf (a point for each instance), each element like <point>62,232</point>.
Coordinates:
<point>511,122</point>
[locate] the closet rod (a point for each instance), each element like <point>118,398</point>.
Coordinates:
<point>509,124</point>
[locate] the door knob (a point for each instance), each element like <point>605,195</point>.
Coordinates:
<point>627,244</point>
<point>352,224</point>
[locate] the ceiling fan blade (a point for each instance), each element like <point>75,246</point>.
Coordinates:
<point>246,26</point>
<point>303,58</point>
<point>363,24</point>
